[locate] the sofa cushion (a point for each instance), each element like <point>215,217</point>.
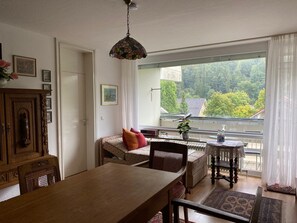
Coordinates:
<point>140,138</point>
<point>138,155</point>
<point>116,147</point>
<point>131,139</point>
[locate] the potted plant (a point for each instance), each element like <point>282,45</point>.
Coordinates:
<point>4,74</point>
<point>184,127</point>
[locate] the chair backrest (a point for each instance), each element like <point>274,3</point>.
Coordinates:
<point>39,173</point>
<point>256,208</point>
<point>168,156</point>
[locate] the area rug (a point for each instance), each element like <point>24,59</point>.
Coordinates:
<point>158,219</point>
<point>241,204</point>
<point>281,189</point>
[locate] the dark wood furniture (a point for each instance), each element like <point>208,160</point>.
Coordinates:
<point>23,130</point>
<point>232,150</point>
<point>109,193</point>
<point>172,157</point>
<point>38,174</point>
<point>218,213</point>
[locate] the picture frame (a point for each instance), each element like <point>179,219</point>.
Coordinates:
<point>0,51</point>
<point>46,76</point>
<point>49,117</point>
<point>48,103</point>
<point>109,94</point>
<point>24,66</point>
<point>47,87</point>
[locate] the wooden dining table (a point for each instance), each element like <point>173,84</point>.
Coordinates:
<point>109,193</point>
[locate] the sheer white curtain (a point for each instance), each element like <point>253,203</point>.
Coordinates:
<point>130,94</point>
<point>280,126</point>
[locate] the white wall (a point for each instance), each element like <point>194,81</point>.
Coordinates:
<point>21,42</point>
<point>149,101</point>
<point>108,120</point>
<point>108,71</point>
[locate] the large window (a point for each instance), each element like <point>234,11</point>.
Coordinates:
<point>227,89</point>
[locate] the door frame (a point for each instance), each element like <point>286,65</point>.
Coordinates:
<point>90,107</point>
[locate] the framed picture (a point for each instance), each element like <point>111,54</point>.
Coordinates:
<point>109,94</point>
<point>0,51</point>
<point>47,87</point>
<point>49,116</point>
<point>24,66</point>
<point>46,76</point>
<point>48,103</point>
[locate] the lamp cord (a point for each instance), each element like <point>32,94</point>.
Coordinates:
<point>128,15</point>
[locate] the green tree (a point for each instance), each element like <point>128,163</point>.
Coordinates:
<point>238,98</point>
<point>243,111</point>
<point>168,96</point>
<point>219,105</point>
<point>183,107</point>
<point>260,103</point>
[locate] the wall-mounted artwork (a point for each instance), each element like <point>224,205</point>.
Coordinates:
<point>48,103</point>
<point>49,117</point>
<point>46,76</point>
<point>24,66</point>
<point>109,94</point>
<point>47,87</point>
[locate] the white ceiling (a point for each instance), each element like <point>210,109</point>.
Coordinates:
<point>157,24</point>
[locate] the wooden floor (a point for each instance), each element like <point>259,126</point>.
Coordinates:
<point>245,184</point>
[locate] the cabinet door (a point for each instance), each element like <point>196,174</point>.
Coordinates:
<point>23,124</point>
<point>3,157</point>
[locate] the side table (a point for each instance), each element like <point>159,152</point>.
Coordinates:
<point>234,149</point>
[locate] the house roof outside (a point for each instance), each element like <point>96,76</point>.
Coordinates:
<point>195,105</point>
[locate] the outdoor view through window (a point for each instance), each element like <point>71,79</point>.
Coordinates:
<point>227,89</point>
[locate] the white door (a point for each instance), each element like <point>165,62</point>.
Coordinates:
<point>73,111</point>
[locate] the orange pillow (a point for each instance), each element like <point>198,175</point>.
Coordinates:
<point>131,139</point>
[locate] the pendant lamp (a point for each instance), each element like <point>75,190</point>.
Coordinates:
<point>128,48</point>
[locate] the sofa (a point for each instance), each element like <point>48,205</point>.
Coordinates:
<point>112,149</point>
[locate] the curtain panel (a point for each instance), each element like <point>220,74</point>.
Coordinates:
<point>280,124</point>
<point>130,94</point>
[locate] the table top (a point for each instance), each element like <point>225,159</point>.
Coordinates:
<point>109,193</point>
<point>235,148</point>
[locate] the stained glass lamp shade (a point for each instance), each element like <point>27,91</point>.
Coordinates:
<point>128,48</point>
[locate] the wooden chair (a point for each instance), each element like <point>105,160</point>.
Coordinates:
<point>39,173</point>
<point>171,157</point>
<point>218,213</point>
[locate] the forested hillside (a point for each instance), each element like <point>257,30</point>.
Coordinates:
<point>231,88</point>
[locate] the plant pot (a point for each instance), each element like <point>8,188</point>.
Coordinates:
<point>3,82</point>
<point>185,135</point>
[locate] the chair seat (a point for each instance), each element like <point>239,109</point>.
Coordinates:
<point>179,190</point>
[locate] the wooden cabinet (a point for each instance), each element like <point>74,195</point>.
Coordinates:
<point>23,135</point>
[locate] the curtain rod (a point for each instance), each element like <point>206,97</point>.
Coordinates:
<point>217,44</point>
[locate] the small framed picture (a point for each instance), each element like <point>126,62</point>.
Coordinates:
<point>47,87</point>
<point>109,94</point>
<point>49,116</point>
<point>24,66</point>
<point>46,76</point>
<point>48,103</point>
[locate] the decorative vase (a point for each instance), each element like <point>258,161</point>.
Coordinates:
<point>185,135</point>
<point>3,82</point>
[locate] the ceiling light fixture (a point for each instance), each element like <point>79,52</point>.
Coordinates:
<point>128,48</point>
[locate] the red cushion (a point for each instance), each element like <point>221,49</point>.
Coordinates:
<point>140,137</point>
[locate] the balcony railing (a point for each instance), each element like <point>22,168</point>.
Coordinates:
<point>204,129</point>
